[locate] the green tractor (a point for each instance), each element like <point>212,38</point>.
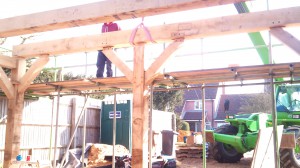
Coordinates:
<point>240,135</point>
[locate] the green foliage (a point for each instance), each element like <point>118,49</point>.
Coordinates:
<point>167,100</point>
<point>70,76</point>
<point>46,75</point>
<point>183,125</point>
<point>180,124</point>
<point>7,71</point>
<point>49,75</point>
<point>97,96</point>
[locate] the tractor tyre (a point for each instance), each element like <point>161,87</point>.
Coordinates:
<point>225,153</point>
<point>288,157</point>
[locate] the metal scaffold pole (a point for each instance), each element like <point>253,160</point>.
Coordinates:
<point>73,134</point>
<point>274,111</point>
<point>56,126</point>
<point>51,130</point>
<point>114,130</point>
<point>150,128</point>
<point>274,121</point>
<point>84,135</point>
<point>203,126</point>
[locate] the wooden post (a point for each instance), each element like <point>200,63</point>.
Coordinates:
<point>140,112</point>
<point>14,117</point>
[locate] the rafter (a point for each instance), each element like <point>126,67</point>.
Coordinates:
<point>32,73</point>
<point>6,85</point>
<point>99,12</point>
<point>111,55</point>
<point>8,62</point>
<point>151,72</point>
<point>286,38</point>
<point>242,23</point>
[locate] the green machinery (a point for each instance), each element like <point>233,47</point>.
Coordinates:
<point>240,136</point>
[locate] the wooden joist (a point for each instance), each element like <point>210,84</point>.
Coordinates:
<point>99,12</point>
<point>243,23</point>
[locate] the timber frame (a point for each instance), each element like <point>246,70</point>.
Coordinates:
<point>137,79</point>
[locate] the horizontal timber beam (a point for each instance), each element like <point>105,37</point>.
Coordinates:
<point>8,62</point>
<point>99,12</point>
<point>242,23</point>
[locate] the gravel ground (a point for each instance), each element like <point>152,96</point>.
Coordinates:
<point>211,163</point>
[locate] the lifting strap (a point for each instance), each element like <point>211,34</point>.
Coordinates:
<point>146,30</point>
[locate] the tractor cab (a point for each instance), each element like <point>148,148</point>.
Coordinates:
<point>288,104</point>
<point>288,98</point>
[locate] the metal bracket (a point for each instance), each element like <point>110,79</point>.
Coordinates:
<point>234,71</point>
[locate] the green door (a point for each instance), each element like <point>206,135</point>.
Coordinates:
<point>123,129</point>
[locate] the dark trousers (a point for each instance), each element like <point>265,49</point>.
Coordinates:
<point>101,60</point>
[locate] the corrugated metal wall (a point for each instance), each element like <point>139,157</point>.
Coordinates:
<point>36,127</point>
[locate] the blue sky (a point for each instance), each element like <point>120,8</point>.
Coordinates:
<point>212,52</point>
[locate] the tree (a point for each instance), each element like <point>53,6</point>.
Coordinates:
<point>183,125</point>
<point>256,103</point>
<point>167,100</point>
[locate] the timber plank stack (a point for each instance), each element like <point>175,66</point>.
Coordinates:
<point>188,151</point>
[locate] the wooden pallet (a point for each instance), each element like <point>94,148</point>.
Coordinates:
<point>188,151</point>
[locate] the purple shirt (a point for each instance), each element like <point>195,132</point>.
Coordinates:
<point>109,27</point>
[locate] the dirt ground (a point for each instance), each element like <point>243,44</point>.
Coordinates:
<point>211,163</point>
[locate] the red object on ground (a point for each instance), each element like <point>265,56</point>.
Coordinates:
<point>28,158</point>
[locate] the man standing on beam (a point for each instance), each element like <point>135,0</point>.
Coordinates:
<point>102,59</point>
